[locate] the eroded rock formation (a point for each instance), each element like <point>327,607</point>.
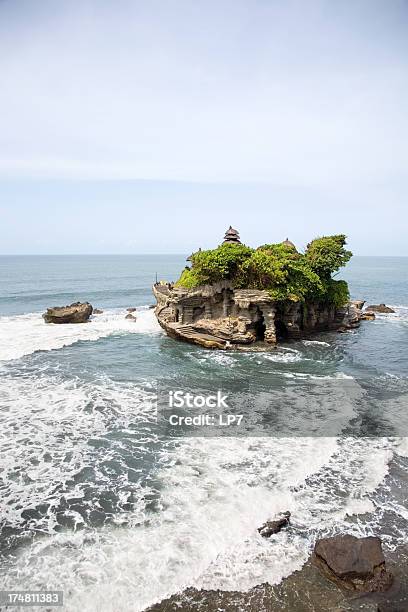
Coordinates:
<point>219,316</point>
<point>75,313</point>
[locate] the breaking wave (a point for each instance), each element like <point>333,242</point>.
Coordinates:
<point>25,334</point>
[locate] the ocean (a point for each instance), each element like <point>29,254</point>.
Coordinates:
<point>96,501</point>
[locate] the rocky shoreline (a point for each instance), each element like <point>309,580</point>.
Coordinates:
<point>221,317</point>
<point>306,590</point>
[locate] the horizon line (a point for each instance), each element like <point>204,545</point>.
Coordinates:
<point>134,254</point>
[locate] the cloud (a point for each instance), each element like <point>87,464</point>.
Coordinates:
<point>298,93</point>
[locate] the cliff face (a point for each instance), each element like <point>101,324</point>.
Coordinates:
<point>219,316</point>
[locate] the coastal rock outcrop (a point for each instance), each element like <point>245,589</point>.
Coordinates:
<point>381,308</point>
<point>79,312</point>
<point>130,317</point>
<point>271,527</point>
<point>243,298</point>
<point>355,564</point>
<point>356,307</point>
<point>367,316</point>
<point>220,316</point>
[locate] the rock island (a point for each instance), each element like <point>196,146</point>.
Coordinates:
<point>237,297</point>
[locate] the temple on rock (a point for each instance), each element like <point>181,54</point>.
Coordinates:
<point>231,236</point>
<point>290,244</point>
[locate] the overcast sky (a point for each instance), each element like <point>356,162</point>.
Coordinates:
<point>130,126</point>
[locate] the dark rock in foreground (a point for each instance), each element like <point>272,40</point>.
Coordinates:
<point>272,527</point>
<point>356,564</point>
<point>382,308</point>
<point>75,313</point>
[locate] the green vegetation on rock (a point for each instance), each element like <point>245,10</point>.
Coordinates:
<point>276,268</point>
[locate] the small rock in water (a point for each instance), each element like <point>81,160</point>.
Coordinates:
<point>130,317</point>
<point>97,311</point>
<point>75,313</point>
<point>355,564</point>
<point>131,309</point>
<point>272,527</point>
<point>368,316</point>
<point>152,306</point>
<point>382,308</point>
<point>357,303</point>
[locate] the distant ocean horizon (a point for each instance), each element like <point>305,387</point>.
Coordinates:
<point>93,498</point>
<point>158,254</point>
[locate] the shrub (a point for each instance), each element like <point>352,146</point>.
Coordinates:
<point>327,255</point>
<point>187,279</point>
<point>222,263</point>
<point>276,268</point>
<point>336,292</point>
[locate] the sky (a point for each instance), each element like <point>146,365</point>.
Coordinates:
<point>144,127</point>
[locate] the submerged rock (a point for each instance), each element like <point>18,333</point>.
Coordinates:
<point>355,564</point>
<point>75,313</point>
<point>131,309</point>
<point>97,311</point>
<point>382,308</point>
<point>271,527</point>
<point>130,317</point>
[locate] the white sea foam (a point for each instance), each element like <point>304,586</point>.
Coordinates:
<point>214,495</point>
<point>286,355</point>
<point>399,316</point>
<point>218,357</point>
<point>305,375</point>
<point>25,334</point>
<point>402,447</point>
<point>315,342</point>
<point>46,424</point>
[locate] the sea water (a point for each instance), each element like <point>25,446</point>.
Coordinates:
<point>95,501</point>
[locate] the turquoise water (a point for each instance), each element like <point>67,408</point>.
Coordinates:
<point>93,497</point>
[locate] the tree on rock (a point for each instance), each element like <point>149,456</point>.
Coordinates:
<point>327,255</point>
